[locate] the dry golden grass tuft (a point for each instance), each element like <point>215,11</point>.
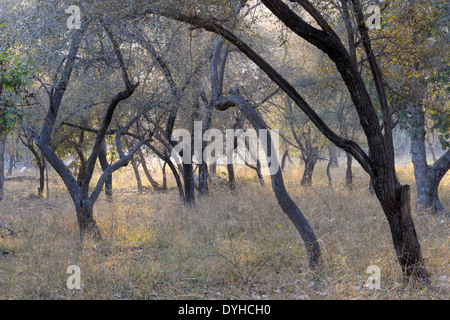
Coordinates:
<point>232,245</point>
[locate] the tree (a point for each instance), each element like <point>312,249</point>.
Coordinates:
<point>418,85</point>
<point>379,163</point>
<point>13,78</point>
<point>83,201</point>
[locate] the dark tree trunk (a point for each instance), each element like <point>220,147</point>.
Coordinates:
<point>86,221</point>
<point>286,203</point>
<point>426,176</point>
<point>105,164</point>
<point>259,173</point>
<point>189,185</point>
<point>231,177</point>
<point>203,179</point>
<point>163,170</point>
<point>348,172</point>
<point>404,236</point>
<point>41,180</point>
<point>2,166</point>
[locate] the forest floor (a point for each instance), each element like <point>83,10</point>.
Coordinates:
<point>232,245</point>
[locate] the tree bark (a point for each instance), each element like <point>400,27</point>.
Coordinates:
<point>86,221</point>
<point>285,202</point>
<point>12,162</point>
<point>349,172</point>
<point>189,185</point>
<point>105,164</point>
<point>137,175</point>
<point>404,236</point>
<point>427,177</point>
<point>2,166</point>
<point>310,163</point>
<point>330,179</point>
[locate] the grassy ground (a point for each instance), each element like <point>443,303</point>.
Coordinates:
<point>232,245</point>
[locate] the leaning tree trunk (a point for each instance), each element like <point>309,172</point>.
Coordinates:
<point>286,203</point>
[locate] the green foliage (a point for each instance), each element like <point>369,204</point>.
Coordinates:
<point>13,77</point>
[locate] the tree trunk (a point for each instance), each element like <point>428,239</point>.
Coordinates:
<point>284,157</point>
<point>203,179</point>
<point>41,167</point>
<point>330,180</point>
<point>285,202</point>
<point>349,173</point>
<point>333,151</point>
<point>427,178</point>
<point>310,163</point>
<point>12,162</point>
<point>153,182</point>
<point>2,166</point>
<point>86,221</point>
<point>137,175</point>
<point>231,177</point>
<point>163,170</point>
<point>104,164</point>
<point>404,236</point>
<point>259,173</point>
<point>189,186</point>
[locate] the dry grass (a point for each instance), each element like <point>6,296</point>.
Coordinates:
<point>232,245</point>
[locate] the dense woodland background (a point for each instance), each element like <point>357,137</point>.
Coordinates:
<point>88,176</point>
